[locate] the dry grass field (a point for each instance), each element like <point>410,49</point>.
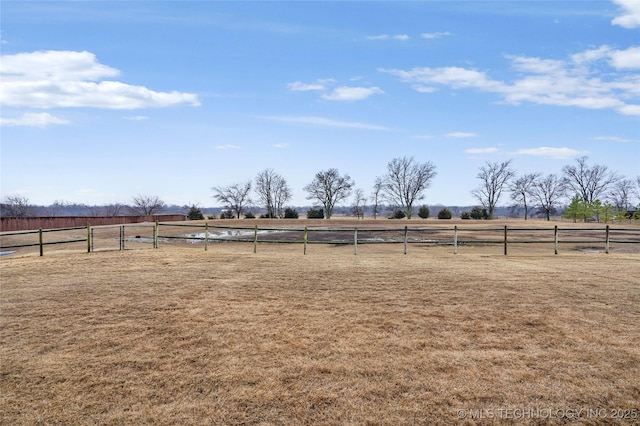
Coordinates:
<point>180,335</point>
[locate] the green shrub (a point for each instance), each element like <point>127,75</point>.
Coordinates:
<point>290,213</point>
<point>249,215</point>
<point>227,214</point>
<point>465,215</point>
<point>444,214</point>
<point>315,214</point>
<point>424,212</point>
<point>195,214</point>
<point>398,214</point>
<point>479,214</point>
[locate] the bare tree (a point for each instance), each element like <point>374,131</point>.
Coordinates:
<point>406,181</point>
<point>521,188</point>
<point>235,196</point>
<point>358,207</point>
<point>17,206</point>
<point>588,182</point>
<point>376,196</point>
<point>147,205</point>
<point>493,177</point>
<point>272,191</point>
<point>329,188</point>
<point>548,192</point>
<point>621,194</point>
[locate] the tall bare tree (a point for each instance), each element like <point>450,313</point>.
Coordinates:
<point>493,178</point>
<point>235,196</point>
<point>406,181</point>
<point>147,205</point>
<point>272,191</point>
<point>376,196</point>
<point>17,206</point>
<point>548,192</point>
<point>521,188</point>
<point>358,207</point>
<point>622,193</point>
<point>589,182</point>
<point>329,188</point>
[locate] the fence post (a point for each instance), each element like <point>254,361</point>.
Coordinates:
<point>156,230</point>
<point>121,237</point>
<point>304,240</point>
<point>88,238</point>
<point>505,240</point>
<point>555,239</point>
<point>40,240</point>
<point>455,239</point>
<point>606,244</point>
<point>206,236</point>
<point>255,239</point>
<point>355,241</point>
<point>92,246</point>
<point>406,231</point>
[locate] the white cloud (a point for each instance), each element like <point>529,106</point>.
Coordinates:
<point>136,118</point>
<point>62,79</point>
<point>327,122</point>
<point>625,59</point>
<point>425,89</point>
<point>319,84</point>
<point>280,145</point>
<point>489,150</point>
<point>227,146</point>
<point>345,93</point>
<point>630,17</point>
<point>399,37</point>
<point>575,82</point>
<point>553,153</point>
<point>461,135</point>
<point>41,120</point>
<point>435,35</point>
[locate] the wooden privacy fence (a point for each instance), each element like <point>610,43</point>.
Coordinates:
<point>155,234</point>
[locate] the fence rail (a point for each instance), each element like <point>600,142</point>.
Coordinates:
<point>153,235</point>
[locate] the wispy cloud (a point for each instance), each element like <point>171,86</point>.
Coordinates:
<point>325,122</point>
<point>553,153</point>
<point>435,35</point>
<point>40,120</point>
<point>62,79</point>
<point>630,17</point>
<point>227,146</point>
<point>345,93</point>
<point>318,84</point>
<point>280,145</point>
<point>582,80</point>
<point>400,37</point>
<point>461,135</point>
<point>136,118</point>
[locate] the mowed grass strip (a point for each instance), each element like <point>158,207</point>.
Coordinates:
<point>183,336</point>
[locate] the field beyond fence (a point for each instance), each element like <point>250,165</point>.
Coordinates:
<point>502,236</point>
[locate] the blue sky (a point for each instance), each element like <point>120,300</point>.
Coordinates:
<point>102,101</point>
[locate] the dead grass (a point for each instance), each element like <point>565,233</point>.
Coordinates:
<point>183,336</point>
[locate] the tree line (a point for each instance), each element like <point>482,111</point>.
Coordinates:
<point>594,188</point>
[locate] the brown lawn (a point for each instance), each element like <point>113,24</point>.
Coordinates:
<point>183,336</point>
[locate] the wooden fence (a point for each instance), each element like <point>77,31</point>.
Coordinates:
<point>154,235</point>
